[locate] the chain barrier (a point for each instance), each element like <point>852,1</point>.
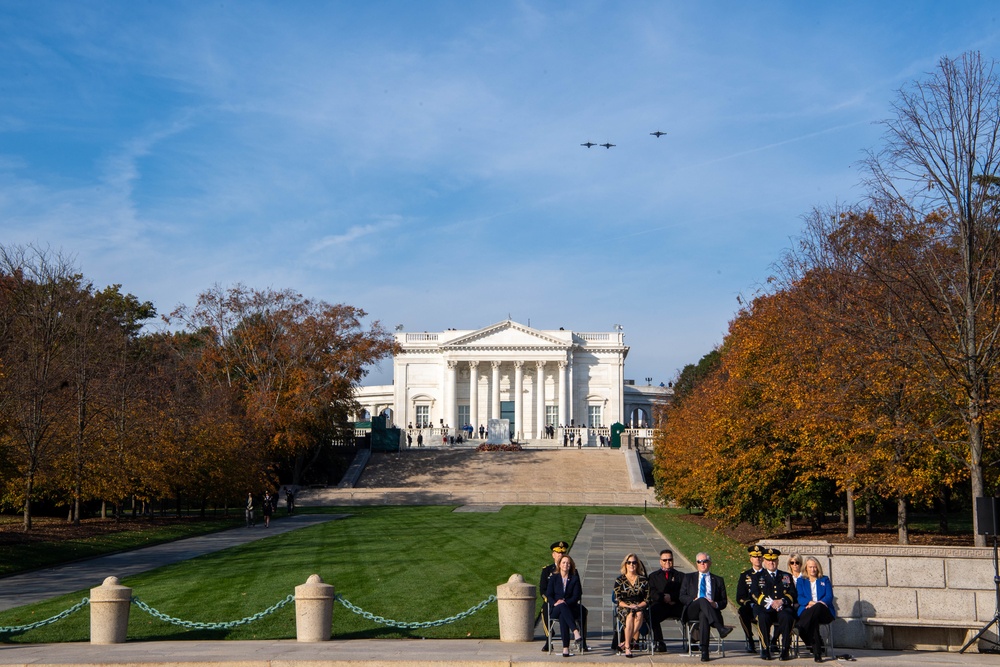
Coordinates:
<point>196,625</point>
<point>52,619</point>
<point>228,625</point>
<point>418,624</point>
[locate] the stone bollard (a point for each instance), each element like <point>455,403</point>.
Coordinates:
<point>109,607</point>
<point>313,610</point>
<point>516,609</point>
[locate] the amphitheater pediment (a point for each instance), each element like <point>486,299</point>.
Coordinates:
<point>507,334</point>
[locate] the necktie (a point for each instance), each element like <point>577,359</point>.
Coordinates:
<point>701,588</point>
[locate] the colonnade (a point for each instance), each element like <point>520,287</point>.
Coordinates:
<point>519,428</point>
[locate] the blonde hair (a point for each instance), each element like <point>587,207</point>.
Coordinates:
<point>640,569</point>
<point>795,555</point>
<point>819,567</point>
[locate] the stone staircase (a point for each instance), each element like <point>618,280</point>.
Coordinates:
<point>464,476</point>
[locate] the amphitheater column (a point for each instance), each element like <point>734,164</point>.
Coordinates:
<point>515,431</point>
<point>540,399</point>
<point>563,396</point>
<point>473,395</point>
<point>451,403</point>
<point>495,391</point>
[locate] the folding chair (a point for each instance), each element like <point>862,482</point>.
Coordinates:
<point>691,626</point>
<point>798,642</point>
<point>553,629</point>
<point>644,644</point>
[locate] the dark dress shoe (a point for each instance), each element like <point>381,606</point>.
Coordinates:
<point>785,655</point>
<point>765,654</point>
<point>545,648</point>
<point>704,656</point>
<point>724,631</point>
<point>751,646</point>
<point>661,647</point>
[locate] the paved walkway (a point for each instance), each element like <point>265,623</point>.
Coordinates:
<point>405,653</point>
<point>21,589</point>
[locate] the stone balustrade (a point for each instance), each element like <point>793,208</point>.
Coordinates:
<point>903,597</point>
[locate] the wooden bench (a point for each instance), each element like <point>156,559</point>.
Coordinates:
<point>919,633</point>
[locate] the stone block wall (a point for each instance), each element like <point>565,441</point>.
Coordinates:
<point>952,586</point>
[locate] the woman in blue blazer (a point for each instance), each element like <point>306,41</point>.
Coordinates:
<point>815,605</point>
<point>564,593</point>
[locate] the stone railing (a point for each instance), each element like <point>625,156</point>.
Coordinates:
<point>110,604</point>
<point>903,597</point>
<point>421,337</point>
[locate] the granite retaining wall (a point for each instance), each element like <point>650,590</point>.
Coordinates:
<point>904,597</point>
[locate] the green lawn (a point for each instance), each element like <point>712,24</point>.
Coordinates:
<point>406,563</point>
<point>729,557</point>
<point>48,552</point>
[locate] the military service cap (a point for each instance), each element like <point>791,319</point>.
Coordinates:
<point>771,553</point>
<point>755,551</point>
<point>560,547</point>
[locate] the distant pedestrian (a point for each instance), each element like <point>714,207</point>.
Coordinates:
<point>249,514</point>
<point>289,500</point>
<point>420,439</point>
<point>267,508</point>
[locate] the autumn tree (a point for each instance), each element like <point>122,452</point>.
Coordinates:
<point>291,363</point>
<point>939,162</point>
<point>38,289</point>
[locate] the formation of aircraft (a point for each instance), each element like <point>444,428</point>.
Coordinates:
<point>609,145</point>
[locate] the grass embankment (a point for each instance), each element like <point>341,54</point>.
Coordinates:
<point>405,563</point>
<point>45,547</point>
<point>729,557</point>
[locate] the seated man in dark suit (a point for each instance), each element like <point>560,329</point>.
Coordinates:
<point>704,597</point>
<point>664,595</point>
<point>776,598</point>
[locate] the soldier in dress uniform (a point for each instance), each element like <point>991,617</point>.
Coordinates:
<point>743,598</point>
<point>775,595</point>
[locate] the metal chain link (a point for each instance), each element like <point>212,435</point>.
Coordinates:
<point>52,619</point>
<point>196,625</point>
<point>418,624</point>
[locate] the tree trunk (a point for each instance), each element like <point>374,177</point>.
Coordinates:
<point>788,523</point>
<point>29,488</point>
<point>976,472</point>
<point>943,510</point>
<point>852,523</point>
<point>869,520</point>
<point>902,521</point>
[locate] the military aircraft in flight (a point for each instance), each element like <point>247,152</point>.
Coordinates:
<point>657,134</point>
<point>608,146</point>
<point>589,144</point>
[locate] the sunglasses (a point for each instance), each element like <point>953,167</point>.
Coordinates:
<point>667,560</point>
<point>702,562</point>
<point>795,562</point>
<point>631,562</point>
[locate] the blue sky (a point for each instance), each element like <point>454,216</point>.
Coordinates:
<point>422,160</point>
